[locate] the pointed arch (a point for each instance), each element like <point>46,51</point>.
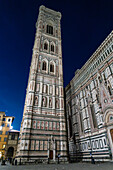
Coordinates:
<point>46,45</point>
<point>57,103</point>
<point>52,47</point>
<point>44,65</point>
<point>52,67</point>
<point>44,102</point>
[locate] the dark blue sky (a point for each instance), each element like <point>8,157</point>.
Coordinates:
<point>85,24</point>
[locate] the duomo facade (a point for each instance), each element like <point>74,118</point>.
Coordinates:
<point>89,106</point>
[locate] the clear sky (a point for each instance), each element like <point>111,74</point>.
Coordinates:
<point>85,24</point>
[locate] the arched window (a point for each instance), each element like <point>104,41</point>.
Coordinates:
<point>45,88</point>
<point>45,46</point>
<point>36,100</point>
<point>93,116</point>
<point>52,48</point>
<point>44,65</point>
<point>99,79</point>
<point>97,97</point>
<point>44,101</point>
<point>57,103</point>
<point>52,68</point>
<point>49,29</point>
<point>109,89</point>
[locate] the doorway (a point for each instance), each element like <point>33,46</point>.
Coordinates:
<point>111,132</point>
<point>10,152</point>
<point>51,154</point>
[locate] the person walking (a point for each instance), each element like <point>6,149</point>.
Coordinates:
<point>92,159</point>
<point>58,158</point>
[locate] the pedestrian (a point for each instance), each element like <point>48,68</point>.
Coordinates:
<point>58,158</point>
<point>92,159</point>
<point>16,162</point>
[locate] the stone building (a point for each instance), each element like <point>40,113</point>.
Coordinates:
<point>5,126</point>
<point>11,145</point>
<point>43,127</point>
<point>89,107</point>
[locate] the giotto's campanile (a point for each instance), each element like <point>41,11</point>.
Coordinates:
<point>43,127</point>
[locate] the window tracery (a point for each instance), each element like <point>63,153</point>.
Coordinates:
<point>52,47</point>
<point>44,102</point>
<point>51,68</point>
<point>49,29</point>
<point>45,46</point>
<point>44,65</point>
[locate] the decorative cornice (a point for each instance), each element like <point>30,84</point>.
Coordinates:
<point>43,8</point>
<point>85,71</point>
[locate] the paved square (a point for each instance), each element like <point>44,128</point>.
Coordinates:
<point>71,166</point>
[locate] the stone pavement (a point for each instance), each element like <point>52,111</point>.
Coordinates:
<point>69,166</point>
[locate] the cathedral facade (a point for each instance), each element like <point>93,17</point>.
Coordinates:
<point>43,128</point>
<point>89,107</point>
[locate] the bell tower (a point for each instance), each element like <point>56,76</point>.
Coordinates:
<point>43,127</point>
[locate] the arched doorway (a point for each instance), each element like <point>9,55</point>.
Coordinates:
<point>10,153</point>
<point>51,154</point>
<point>109,127</point>
<point>111,132</point>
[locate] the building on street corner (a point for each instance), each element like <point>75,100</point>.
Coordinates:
<point>5,126</point>
<point>11,145</point>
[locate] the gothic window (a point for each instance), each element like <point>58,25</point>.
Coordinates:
<point>45,88</point>
<point>97,97</point>
<point>50,102</point>
<point>93,116</point>
<point>44,65</point>
<point>108,51</point>
<point>57,103</point>
<point>109,89</point>
<point>51,68</point>
<point>99,78</point>
<point>45,46</point>
<point>49,29</point>
<point>52,48</point>
<point>104,78</point>
<point>44,101</point>
<point>106,54</point>
<point>36,100</point>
